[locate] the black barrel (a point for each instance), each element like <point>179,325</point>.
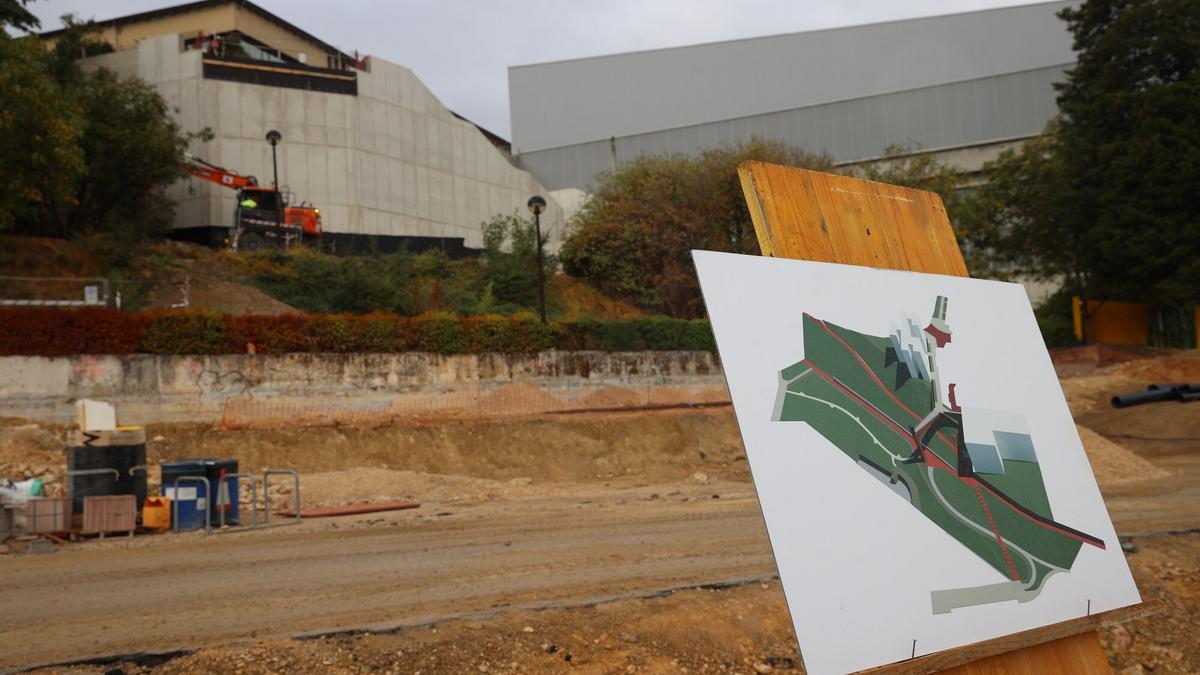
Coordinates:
<point>102,463</point>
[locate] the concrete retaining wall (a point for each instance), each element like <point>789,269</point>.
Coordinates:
<point>243,390</point>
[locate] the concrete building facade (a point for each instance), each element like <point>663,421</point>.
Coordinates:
<point>964,85</point>
<point>363,139</point>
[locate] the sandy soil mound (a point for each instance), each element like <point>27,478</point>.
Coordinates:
<point>1178,367</point>
<point>1112,463</point>
<point>612,397</point>
<point>663,446</point>
<point>1085,360</point>
<point>522,397</point>
<point>31,451</point>
<point>372,484</point>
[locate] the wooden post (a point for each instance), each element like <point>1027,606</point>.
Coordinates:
<point>808,215</point>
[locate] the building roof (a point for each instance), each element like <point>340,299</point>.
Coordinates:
<point>495,139</point>
<point>205,4</point>
<point>589,99</point>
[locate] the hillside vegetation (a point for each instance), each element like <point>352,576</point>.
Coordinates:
<point>153,275</point>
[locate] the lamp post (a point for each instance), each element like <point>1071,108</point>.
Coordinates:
<point>537,204</point>
<point>274,137</point>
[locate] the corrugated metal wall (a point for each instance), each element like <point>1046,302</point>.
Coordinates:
<point>960,114</point>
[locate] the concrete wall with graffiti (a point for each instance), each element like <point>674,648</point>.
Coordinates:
<point>243,390</point>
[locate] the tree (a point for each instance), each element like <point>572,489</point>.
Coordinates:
<point>77,40</point>
<point>633,239</point>
<point>510,273</point>
<point>1130,143</point>
<point>83,151</point>
<point>13,13</point>
<point>39,136</point>
<point>1016,225</point>
<point>910,167</point>
<point>1104,199</point>
<point>132,148</point>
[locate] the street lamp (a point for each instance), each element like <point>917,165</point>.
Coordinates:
<point>537,204</point>
<point>274,137</point>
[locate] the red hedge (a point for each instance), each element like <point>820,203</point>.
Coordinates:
<point>59,332</point>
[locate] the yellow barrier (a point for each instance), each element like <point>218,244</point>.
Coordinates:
<point>1116,323</point>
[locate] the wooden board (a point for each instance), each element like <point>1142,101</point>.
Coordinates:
<point>808,215</point>
<point>1066,647</point>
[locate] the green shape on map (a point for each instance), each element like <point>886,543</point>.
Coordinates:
<point>973,473</point>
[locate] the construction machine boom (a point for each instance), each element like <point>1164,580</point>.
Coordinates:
<point>203,170</point>
<point>262,217</point>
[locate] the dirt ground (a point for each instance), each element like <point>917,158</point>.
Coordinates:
<point>593,544</point>
<point>740,629</point>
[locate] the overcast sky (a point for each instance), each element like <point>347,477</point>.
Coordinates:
<point>461,49</point>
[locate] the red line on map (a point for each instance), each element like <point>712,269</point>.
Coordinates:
<point>865,367</point>
<point>987,513</point>
<point>937,462</point>
<point>1048,524</point>
<point>871,372</point>
<point>862,402</point>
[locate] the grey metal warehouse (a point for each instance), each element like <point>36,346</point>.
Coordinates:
<point>962,85</point>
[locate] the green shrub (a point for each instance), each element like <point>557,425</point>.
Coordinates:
<point>379,333</point>
<point>486,333</point>
<point>1056,321</point>
<point>699,336</point>
<point>196,332</point>
<point>334,333</point>
<point>582,334</point>
<point>660,333</point>
<point>439,332</point>
<point>282,334</point>
<point>621,335</point>
<point>58,332</point>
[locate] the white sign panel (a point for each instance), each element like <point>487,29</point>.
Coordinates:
<point>921,478</point>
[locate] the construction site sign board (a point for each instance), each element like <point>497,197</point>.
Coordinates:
<point>922,481</point>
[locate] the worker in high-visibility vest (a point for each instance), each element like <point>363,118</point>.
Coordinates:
<point>249,203</point>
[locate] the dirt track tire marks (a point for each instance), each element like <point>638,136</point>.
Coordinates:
<point>198,591</point>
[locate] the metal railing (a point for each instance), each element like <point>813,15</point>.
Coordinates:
<point>267,494</point>
<point>95,472</point>
<point>92,291</point>
<point>234,497</point>
<point>208,494</point>
<point>175,501</point>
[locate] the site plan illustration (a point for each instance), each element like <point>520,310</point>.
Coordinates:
<point>972,471</point>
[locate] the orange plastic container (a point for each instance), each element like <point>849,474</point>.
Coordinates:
<point>156,513</point>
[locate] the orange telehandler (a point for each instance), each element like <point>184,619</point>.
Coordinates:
<point>270,221</point>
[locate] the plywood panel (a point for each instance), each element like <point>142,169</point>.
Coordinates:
<point>1079,654</point>
<point>810,215</point>
<point>1068,647</point>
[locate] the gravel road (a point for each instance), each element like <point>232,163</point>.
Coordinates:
<point>191,590</point>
